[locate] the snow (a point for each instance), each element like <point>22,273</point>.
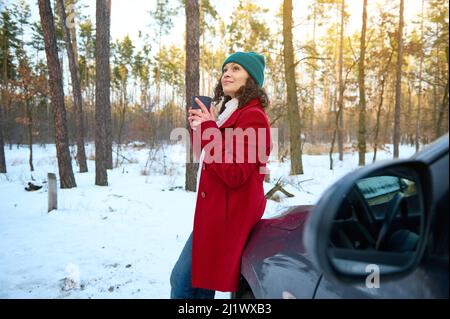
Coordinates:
<point>119,241</point>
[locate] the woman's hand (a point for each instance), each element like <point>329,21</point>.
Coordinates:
<point>196,116</point>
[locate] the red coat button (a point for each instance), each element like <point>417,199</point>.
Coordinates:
<point>203,194</point>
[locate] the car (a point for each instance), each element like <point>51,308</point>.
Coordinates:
<point>379,232</point>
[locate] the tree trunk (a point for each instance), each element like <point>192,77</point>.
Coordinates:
<point>30,131</point>
<point>208,92</point>
<point>362,93</point>
<point>66,177</point>
<point>102,89</point>
<point>419,95</point>
<point>165,95</point>
<point>398,84</point>
<point>3,105</point>
<point>108,115</point>
<point>192,79</point>
<point>436,72</point>
<point>443,105</point>
<point>73,36</point>
<point>390,92</point>
<point>76,88</point>
<point>293,114</point>
<point>61,59</point>
<point>340,127</point>
<point>313,79</point>
<point>377,126</point>
<point>122,112</point>
<point>333,139</point>
<point>2,143</point>
<point>409,134</point>
<point>158,71</point>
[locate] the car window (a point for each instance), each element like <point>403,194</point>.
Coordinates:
<point>381,189</point>
<point>379,213</point>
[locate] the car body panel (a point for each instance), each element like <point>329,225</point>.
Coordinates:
<point>275,263</point>
<point>426,281</point>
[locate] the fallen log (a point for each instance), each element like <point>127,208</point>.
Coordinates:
<point>277,188</point>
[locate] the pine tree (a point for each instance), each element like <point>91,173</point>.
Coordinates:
<point>67,179</point>
<point>398,83</point>
<point>362,91</point>
<point>295,131</point>
<point>76,89</point>
<point>192,78</point>
<point>102,89</point>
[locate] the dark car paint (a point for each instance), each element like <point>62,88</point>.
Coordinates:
<point>427,281</point>
<point>275,257</point>
<point>275,261</point>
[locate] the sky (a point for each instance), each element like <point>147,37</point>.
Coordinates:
<point>130,17</point>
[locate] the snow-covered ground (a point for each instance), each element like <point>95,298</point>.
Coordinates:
<point>119,241</point>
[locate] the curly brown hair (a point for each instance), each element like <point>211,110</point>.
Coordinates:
<point>245,93</point>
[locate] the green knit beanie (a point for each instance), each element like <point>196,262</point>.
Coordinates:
<point>252,62</point>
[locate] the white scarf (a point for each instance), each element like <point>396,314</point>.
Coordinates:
<point>230,107</point>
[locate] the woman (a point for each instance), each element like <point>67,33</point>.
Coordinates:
<point>230,198</point>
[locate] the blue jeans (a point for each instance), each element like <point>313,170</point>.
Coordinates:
<point>180,278</point>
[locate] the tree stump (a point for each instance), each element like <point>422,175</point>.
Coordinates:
<point>52,192</point>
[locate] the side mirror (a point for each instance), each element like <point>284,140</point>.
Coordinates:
<point>373,218</point>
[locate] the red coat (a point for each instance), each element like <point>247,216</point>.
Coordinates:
<point>230,201</point>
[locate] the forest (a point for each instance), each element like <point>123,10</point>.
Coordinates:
<point>66,81</point>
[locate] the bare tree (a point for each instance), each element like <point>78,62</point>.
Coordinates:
<point>382,75</point>
<point>108,116</point>
<point>333,138</point>
<point>76,88</point>
<point>73,35</point>
<point>313,76</point>
<point>419,94</point>
<point>340,127</point>
<point>362,92</point>
<point>444,104</point>
<point>2,144</point>
<point>398,84</point>
<point>192,78</point>
<point>102,89</point>
<point>295,131</point>
<point>67,179</point>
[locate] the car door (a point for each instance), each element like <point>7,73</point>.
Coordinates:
<point>428,280</point>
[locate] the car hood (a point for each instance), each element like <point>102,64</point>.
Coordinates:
<point>275,256</point>
<point>281,233</point>
<point>291,219</point>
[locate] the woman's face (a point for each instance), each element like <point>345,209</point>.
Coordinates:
<point>234,76</point>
